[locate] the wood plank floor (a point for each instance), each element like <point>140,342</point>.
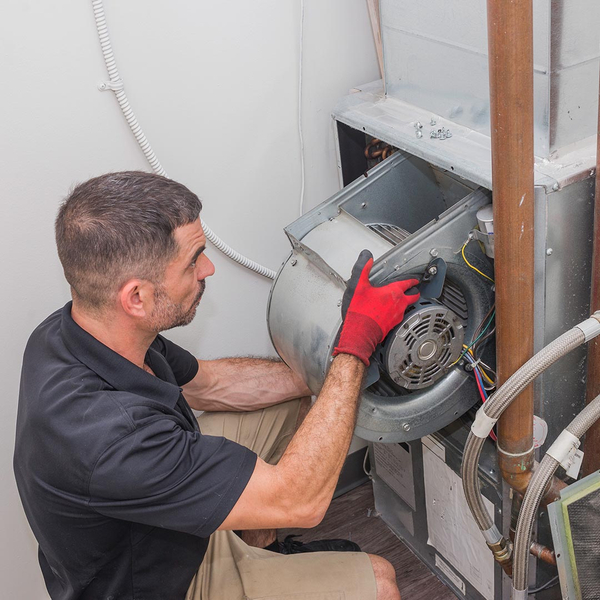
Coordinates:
<point>347,518</point>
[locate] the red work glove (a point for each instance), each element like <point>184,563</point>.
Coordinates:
<point>369,312</point>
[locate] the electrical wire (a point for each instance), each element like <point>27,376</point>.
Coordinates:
<point>483,395</point>
<point>366,457</point>
<point>116,85</point>
<point>479,364</point>
<point>462,251</point>
<point>476,339</point>
<point>300,128</point>
<point>552,582</point>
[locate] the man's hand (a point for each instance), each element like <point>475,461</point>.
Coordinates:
<point>369,312</point>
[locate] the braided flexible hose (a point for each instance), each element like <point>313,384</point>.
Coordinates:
<point>535,491</point>
<point>497,404</point>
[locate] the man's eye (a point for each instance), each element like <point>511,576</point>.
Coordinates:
<point>193,264</point>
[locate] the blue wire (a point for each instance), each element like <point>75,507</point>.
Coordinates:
<point>477,374</point>
<point>476,371</point>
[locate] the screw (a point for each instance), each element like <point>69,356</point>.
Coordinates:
<point>363,205</point>
<point>433,252</point>
<point>339,303</point>
<point>419,134</point>
<point>555,187</point>
<point>432,270</point>
<point>448,133</point>
<point>396,267</point>
<point>549,252</point>
<point>418,125</point>
<point>433,121</point>
<point>406,427</point>
<point>433,134</point>
<point>294,262</point>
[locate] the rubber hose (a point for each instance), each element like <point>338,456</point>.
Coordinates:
<point>142,140</point>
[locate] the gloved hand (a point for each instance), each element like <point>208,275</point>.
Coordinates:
<point>369,312</point>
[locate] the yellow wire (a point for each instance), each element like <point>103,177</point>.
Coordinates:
<point>481,370</point>
<point>462,251</point>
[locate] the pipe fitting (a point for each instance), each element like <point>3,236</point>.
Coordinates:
<point>542,552</point>
<point>502,552</point>
<point>516,469</point>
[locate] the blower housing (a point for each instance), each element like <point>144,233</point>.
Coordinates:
<point>407,213</point>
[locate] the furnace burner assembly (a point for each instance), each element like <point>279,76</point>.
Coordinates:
<point>416,221</point>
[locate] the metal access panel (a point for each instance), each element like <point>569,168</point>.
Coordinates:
<point>418,493</point>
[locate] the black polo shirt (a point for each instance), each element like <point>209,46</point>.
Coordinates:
<point>120,487</point>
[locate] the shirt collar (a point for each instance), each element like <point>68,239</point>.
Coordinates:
<point>115,369</point>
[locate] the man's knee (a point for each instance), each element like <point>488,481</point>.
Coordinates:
<point>385,577</point>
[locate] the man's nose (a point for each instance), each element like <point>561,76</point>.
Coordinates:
<point>207,268</point>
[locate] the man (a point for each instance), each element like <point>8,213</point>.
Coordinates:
<point>122,490</point>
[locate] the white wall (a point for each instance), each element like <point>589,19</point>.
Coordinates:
<point>215,88</point>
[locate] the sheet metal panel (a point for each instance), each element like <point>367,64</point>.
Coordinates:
<point>436,58</point>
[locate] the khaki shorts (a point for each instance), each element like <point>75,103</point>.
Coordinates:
<point>232,570</point>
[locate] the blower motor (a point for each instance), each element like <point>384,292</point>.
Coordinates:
<point>415,220</point>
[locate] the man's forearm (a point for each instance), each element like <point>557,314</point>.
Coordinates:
<point>298,489</point>
<point>243,384</point>
<point>317,452</point>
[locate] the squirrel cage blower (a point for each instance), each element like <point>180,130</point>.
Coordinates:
<point>416,221</point>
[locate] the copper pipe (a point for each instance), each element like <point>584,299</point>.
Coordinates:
<point>543,553</point>
<point>510,39</point>
<point>591,459</point>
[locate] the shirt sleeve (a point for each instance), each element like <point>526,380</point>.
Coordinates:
<point>163,476</point>
<point>183,363</point>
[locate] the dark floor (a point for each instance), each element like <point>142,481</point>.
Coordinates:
<point>348,518</point>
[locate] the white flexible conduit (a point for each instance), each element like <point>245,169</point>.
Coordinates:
<point>116,85</point>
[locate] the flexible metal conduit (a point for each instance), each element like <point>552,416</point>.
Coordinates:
<point>116,85</point>
<point>541,476</point>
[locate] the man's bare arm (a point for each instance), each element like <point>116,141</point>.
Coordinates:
<point>297,491</point>
<point>242,384</point>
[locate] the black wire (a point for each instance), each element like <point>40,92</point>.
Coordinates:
<point>552,582</point>
<point>482,341</point>
<point>484,320</point>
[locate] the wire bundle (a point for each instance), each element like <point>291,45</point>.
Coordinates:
<point>484,374</point>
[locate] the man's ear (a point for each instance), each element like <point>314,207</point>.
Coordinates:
<point>136,297</point>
